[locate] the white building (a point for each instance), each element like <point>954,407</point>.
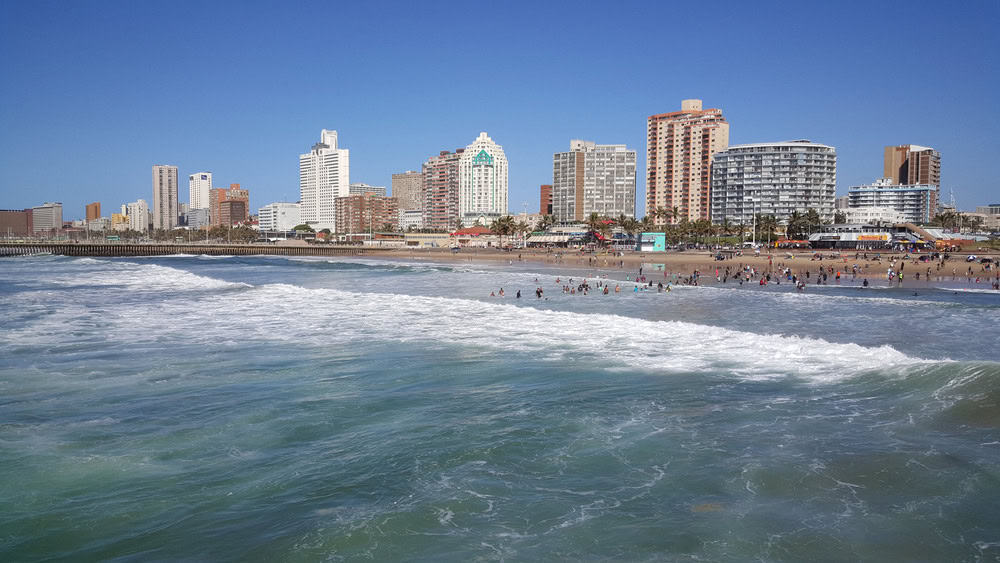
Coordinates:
<point>138,215</point>
<point>198,218</point>
<point>411,218</point>
<point>917,202</point>
<point>199,186</point>
<point>360,188</point>
<point>593,178</point>
<point>324,175</point>
<point>279,216</point>
<point>99,225</point>
<point>873,215</point>
<point>482,182</point>
<point>47,217</point>
<point>164,196</point>
<point>773,179</point>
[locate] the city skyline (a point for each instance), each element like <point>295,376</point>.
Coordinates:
<point>545,95</point>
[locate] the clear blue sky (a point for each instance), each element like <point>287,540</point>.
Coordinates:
<point>94,93</point>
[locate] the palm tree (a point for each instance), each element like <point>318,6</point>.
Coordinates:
<point>675,213</point>
<point>726,226</point>
<point>545,222</point>
<point>503,226</point>
<point>522,229</point>
<point>796,225</point>
<point>813,220</point>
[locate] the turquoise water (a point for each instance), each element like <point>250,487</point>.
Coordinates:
<point>301,409</point>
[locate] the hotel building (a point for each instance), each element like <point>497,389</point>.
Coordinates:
<point>199,186</point>
<point>279,216</point>
<point>219,196</point>
<point>482,182</point>
<point>440,180</point>
<point>917,203</point>
<point>367,212</point>
<point>773,179</point>
<point>545,199</point>
<point>93,210</point>
<point>164,196</point>
<point>593,178</point>
<point>912,164</point>
<point>679,151</point>
<point>408,189</point>
<point>138,215</point>
<point>47,218</point>
<point>324,175</point>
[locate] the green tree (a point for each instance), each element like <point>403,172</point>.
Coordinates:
<point>545,222</point>
<point>813,220</point>
<point>796,227</point>
<point>840,217</point>
<point>503,226</point>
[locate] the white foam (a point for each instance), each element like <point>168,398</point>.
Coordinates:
<point>151,277</point>
<point>609,340</point>
<point>333,318</point>
<point>970,290</point>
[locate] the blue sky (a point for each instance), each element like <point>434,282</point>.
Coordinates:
<point>94,93</point>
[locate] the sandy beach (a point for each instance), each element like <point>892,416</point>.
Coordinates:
<point>873,266</point>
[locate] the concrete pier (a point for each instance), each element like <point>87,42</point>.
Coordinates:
<point>151,249</point>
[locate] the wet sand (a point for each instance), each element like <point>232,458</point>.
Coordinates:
<point>685,263</point>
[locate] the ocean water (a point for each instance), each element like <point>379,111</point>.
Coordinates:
<point>274,409</point>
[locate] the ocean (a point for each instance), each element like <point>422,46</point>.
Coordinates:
<point>282,409</point>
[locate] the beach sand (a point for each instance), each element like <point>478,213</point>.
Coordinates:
<point>685,263</point>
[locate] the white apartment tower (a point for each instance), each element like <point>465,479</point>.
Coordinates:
<point>164,196</point>
<point>199,186</point>
<point>773,179</point>
<point>482,182</point>
<point>593,178</point>
<point>137,213</point>
<point>324,175</point>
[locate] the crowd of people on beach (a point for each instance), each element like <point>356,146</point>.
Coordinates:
<point>837,269</point>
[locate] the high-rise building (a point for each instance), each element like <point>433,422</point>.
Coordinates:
<point>199,185</point>
<point>93,210</point>
<point>16,222</point>
<point>215,197</point>
<point>324,175</point>
<point>773,179</point>
<point>47,218</point>
<point>232,212</point>
<point>138,215</point>
<point>593,178</point>
<point>545,199</point>
<point>408,189</point>
<point>679,150</point>
<point>482,182</point>
<point>218,196</point>
<point>917,202</point>
<point>361,188</point>
<point>440,210</point>
<point>279,216</point>
<point>366,213</point>
<point>164,196</point>
<point>912,164</point>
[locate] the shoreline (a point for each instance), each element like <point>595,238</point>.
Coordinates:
<point>678,266</point>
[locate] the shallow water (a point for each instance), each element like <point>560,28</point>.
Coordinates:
<point>303,409</point>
